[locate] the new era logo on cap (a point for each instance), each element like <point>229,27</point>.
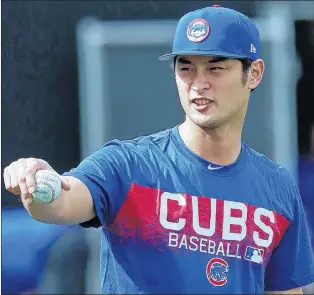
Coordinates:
<point>253,49</point>
<point>215,31</point>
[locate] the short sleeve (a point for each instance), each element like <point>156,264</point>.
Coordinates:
<point>291,263</point>
<point>107,175</point>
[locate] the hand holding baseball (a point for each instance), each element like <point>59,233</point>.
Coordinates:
<point>19,178</point>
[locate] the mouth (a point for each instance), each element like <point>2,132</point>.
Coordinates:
<point>202,104</point>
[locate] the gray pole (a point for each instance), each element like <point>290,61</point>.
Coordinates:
<point>279,26</point>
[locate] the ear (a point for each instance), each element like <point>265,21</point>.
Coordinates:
<point>256,73</point>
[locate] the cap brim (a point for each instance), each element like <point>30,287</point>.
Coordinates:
<point>169,56</point>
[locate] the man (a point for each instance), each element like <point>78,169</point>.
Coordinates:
<point>184,210</point>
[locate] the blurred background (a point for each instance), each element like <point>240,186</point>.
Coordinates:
<point>76,74</point>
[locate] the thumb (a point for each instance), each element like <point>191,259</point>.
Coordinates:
<point>65,183</point>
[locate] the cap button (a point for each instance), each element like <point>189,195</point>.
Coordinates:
<point>216,5</point>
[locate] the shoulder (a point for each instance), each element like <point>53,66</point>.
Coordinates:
<point>132,150</point>
<point>147,141</point>
<point>269,168</point>
<point>278,182</point>
<point>139,144</point>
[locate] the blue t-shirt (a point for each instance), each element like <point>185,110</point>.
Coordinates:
<point>173,223</point>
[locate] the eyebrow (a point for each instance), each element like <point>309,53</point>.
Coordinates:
<point>216,59</point>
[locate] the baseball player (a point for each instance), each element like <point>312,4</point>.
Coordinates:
<point>184,210</point>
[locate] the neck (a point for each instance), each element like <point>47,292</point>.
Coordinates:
<point>221,145</point>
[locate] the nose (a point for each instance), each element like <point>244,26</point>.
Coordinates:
<point>200,83</point>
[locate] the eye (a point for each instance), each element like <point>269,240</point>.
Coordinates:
<point>215,69</point>
<point>186,69</point>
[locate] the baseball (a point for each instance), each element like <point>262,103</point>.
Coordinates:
<point>47,186</point>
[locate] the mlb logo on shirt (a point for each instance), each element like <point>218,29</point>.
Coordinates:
<point>254,254</point>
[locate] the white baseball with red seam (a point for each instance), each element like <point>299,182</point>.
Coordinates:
<point>47,186</point>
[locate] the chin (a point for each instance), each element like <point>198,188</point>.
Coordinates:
<point>206,121</point>
<point>208,124</point>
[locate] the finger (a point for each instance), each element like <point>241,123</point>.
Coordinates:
<point>8,183</point>
<point>30,171</point>
<point>7,178</point>
<point>26,199</point>
<point>65,183</point>
<point>15,188</point>
<point>13,176</point>
<point>21,179</point>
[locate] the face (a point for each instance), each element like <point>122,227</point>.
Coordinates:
<point>211,89</point>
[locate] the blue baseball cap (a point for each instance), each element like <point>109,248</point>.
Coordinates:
<point>216,31</point>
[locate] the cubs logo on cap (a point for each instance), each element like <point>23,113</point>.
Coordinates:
<point>198,30</point>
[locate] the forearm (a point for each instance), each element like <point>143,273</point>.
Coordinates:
<point>74,205</point>
<point>71,207</point>
<point>53,212</point>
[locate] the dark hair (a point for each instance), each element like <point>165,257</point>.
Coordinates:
<point>246,64</point>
